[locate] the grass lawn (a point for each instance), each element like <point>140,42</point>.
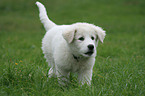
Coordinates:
<point>120,61</point>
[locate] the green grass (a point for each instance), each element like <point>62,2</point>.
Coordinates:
<point>120,64</point>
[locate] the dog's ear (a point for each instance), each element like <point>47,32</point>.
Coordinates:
<point>101,33</point>
<point>68,34</point>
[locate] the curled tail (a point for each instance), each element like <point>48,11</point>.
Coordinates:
<point>48,24</point>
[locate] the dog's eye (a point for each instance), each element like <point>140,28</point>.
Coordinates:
<point>81,38</point>
<point>92,38</point>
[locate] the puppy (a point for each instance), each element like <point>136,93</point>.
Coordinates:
<point>70,48</point>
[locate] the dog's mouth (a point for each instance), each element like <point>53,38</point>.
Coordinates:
<point>89,53</point>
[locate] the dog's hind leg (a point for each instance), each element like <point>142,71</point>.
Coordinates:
<point>51,64</point>
<point>52,72</point>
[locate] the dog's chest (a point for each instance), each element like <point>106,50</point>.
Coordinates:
<point>76,66</point>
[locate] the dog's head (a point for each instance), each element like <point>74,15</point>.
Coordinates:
<point>83,38</point>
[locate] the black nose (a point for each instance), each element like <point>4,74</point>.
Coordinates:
<point>91,47</point>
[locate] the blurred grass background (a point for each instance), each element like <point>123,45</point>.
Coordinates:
<point>120,64</point>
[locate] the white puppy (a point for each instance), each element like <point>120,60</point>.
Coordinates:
<point>70,48</point>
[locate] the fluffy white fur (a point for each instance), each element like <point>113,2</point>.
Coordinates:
<point>70,48</point>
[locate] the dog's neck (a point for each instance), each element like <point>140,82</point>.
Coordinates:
<point>76,58</point>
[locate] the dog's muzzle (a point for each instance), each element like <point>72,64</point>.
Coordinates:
<point>89,53</point>
<point>91,50</point>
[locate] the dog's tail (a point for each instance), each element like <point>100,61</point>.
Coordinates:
<point>48,24</point>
